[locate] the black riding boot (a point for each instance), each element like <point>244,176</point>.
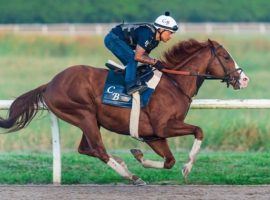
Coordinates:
<point>135,86</point>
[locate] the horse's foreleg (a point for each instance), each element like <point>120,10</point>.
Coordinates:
<point>192,155</point>
<point>175,128</point>
<point>178,128</point>
<point>146,163</point>
<point>161,148</point>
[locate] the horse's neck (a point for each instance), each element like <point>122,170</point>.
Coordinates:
<point>187,84</point>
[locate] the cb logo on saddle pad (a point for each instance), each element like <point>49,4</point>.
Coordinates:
<point>116,96</point>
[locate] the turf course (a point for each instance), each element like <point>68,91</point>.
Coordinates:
<point>246,168</point>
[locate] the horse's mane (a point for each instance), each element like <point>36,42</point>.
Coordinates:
<point>181,51</point>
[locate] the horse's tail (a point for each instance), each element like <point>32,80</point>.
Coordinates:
<point>23,110</point>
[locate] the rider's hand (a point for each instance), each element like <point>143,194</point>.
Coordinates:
<point>158,65</point>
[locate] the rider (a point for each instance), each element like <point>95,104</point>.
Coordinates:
<point>132,43</point>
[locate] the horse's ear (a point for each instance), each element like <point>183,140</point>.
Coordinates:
<point>210,42</point>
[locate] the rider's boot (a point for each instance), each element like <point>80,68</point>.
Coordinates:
<point>135,86</point>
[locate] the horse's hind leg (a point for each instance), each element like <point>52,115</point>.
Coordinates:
<point>85,148</point>
<point>161,147</point>
<point>135,179</point>
<point>92,145</point>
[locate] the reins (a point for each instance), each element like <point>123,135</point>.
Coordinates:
<point>189,73</point>
<point>226,78</point>
<point>206,76</point>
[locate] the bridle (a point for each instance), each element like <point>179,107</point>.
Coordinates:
<point>227,78</point>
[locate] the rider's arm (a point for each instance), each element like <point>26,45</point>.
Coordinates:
<point>142,56</point>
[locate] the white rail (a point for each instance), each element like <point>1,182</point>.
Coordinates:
<point>5,104</point>
<point>231,103</point>
<point>103,28</point>
<point>196,104</point>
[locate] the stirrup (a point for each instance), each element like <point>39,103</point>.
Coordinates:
<point>135,88</point>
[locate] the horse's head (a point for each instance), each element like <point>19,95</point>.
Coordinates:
<point>224,66</point>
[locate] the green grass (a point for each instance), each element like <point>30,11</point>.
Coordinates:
<point>28,61</point>
<point>245,168</point>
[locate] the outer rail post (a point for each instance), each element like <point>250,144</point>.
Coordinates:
<point>56,150</point>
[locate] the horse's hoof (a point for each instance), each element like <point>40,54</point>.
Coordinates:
<point>186,170</point>
<point>139,182</point>
<point>184,173</point>
<point>137,154</point>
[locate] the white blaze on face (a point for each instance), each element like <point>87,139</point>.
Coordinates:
<point>243,78</point>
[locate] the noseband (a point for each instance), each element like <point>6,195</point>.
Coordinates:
<point>227,78</point>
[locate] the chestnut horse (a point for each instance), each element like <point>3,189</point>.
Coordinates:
<point>74,95</point>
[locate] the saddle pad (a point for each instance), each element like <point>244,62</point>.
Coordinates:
<point>115,93</point>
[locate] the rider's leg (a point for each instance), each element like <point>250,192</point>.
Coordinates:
<point>132,83</point>
<point>119,48</point>
<point>126,55</point>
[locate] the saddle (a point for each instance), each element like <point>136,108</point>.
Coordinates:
<point>144,71</point>
<point>114,91</point>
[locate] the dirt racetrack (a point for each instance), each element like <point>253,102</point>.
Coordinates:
<point>123,192</point>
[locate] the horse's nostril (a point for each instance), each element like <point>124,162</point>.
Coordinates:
<point>245,79</point>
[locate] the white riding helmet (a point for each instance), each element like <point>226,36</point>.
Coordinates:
<point>166,22</point>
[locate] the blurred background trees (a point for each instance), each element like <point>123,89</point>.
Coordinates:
<point>106,11</point>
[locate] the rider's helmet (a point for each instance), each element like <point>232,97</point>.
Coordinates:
<point>166,22</point>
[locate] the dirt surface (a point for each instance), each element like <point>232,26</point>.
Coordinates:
<point>42,192</point>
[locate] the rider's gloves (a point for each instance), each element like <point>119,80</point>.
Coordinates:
<point>158,65</point>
